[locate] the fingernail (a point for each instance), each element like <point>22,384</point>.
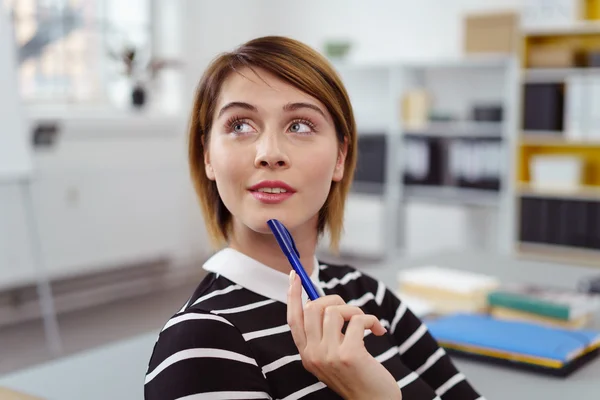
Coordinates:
<point>292,276</point>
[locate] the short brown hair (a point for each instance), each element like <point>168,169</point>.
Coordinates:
<point>300,66</point>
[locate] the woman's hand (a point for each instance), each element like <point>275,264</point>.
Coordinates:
<point>340,361</point>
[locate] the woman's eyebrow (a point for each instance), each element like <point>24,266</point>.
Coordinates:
<point>237,104</point>
<point>297,106</point>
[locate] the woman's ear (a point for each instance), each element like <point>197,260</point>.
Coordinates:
<point>338,172</point>
<point>208,169</point>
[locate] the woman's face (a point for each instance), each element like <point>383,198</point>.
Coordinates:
<point>273,152</point>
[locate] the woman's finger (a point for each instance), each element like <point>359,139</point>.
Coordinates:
<point>313,316</point>
<point>356,328</point>
<point>295,313</point>
<point>333,322</point>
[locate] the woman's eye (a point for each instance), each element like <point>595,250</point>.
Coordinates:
<point>300,127</point>
<point>241,127</point>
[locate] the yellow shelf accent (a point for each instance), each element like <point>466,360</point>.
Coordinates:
<point>566,48</point>
<point>592,10</point>
<point>554,139</point>
<point>590,152</point>
<point>504,355</point>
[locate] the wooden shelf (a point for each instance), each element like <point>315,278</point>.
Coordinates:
<point>554,75</point>
<point>478,61</point>
<point>549,138</point>
<point>559,254</point>
<point>579,28</point>
<point>451,195</point>
<point>457,129</point>
<point>525,189</point>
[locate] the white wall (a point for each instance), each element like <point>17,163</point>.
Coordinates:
<point>380,29</point>
<point>114,190</point>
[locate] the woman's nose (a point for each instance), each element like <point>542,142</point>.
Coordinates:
<point>270,154</point>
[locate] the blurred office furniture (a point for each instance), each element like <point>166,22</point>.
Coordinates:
<point>558,150</point>
<point>491,33</point>
<point>513,270</point>
<point>124,364</point>
<point>553,13</point>
<point>446,290</point>
<point>17,175</point>
<point>461,156</point>
<point>437,133</point>
<point>590,285</point>
<point>8,394</point>
<point>370,173</point>
<point>115,208</point>
<point>371,226</point>
<point>566,308</point>
<point>113,371</point>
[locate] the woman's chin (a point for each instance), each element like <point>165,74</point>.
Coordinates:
<point>261,225</point>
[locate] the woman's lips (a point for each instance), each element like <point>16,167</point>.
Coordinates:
<point>271,198</point>
<point>271,191</point>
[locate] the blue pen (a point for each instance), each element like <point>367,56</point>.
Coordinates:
<point>287,245</point>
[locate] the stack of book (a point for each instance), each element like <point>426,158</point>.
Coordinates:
<point>548,306</point>
<point>445,290</point>
<point>526,345</point>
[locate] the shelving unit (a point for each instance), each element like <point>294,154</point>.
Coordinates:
<point>455,87</point>
<point>554,222</point>
<point>551,138</point>
<point>551,75</point>
<point>457,129</point>
<point>452,195</point>
<point>377,216</point>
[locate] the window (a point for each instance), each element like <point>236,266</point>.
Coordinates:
<point>64,47</point>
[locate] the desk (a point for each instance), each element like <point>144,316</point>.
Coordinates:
<point>496,382</point>
<point>117,371</point>
<point>114,372</point>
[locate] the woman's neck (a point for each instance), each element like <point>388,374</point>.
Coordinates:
<point>265,249</point>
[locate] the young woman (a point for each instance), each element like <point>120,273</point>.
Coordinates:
<point>273,135</point>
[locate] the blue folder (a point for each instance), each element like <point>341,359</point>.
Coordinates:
<point>516,342</point>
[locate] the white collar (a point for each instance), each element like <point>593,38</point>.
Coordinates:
<point>254,275</point>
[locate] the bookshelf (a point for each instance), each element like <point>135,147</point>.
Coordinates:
<point>376,215</point>
<point>471,155</point>
<point>457,129</point>
<point>558,219</point>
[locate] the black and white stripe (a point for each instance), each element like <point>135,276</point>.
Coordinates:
<point>231,343</point>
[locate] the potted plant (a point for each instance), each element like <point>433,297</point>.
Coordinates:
<point>141,72</point>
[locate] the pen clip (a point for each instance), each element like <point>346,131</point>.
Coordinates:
<point>284,237</point>
<point>290,240</point>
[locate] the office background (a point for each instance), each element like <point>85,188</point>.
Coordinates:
<point>95,198</point>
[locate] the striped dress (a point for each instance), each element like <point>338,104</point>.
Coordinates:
<point>231,339</point>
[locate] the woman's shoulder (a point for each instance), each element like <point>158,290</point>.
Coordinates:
<point>344,273</point>
<point>354,285</point>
